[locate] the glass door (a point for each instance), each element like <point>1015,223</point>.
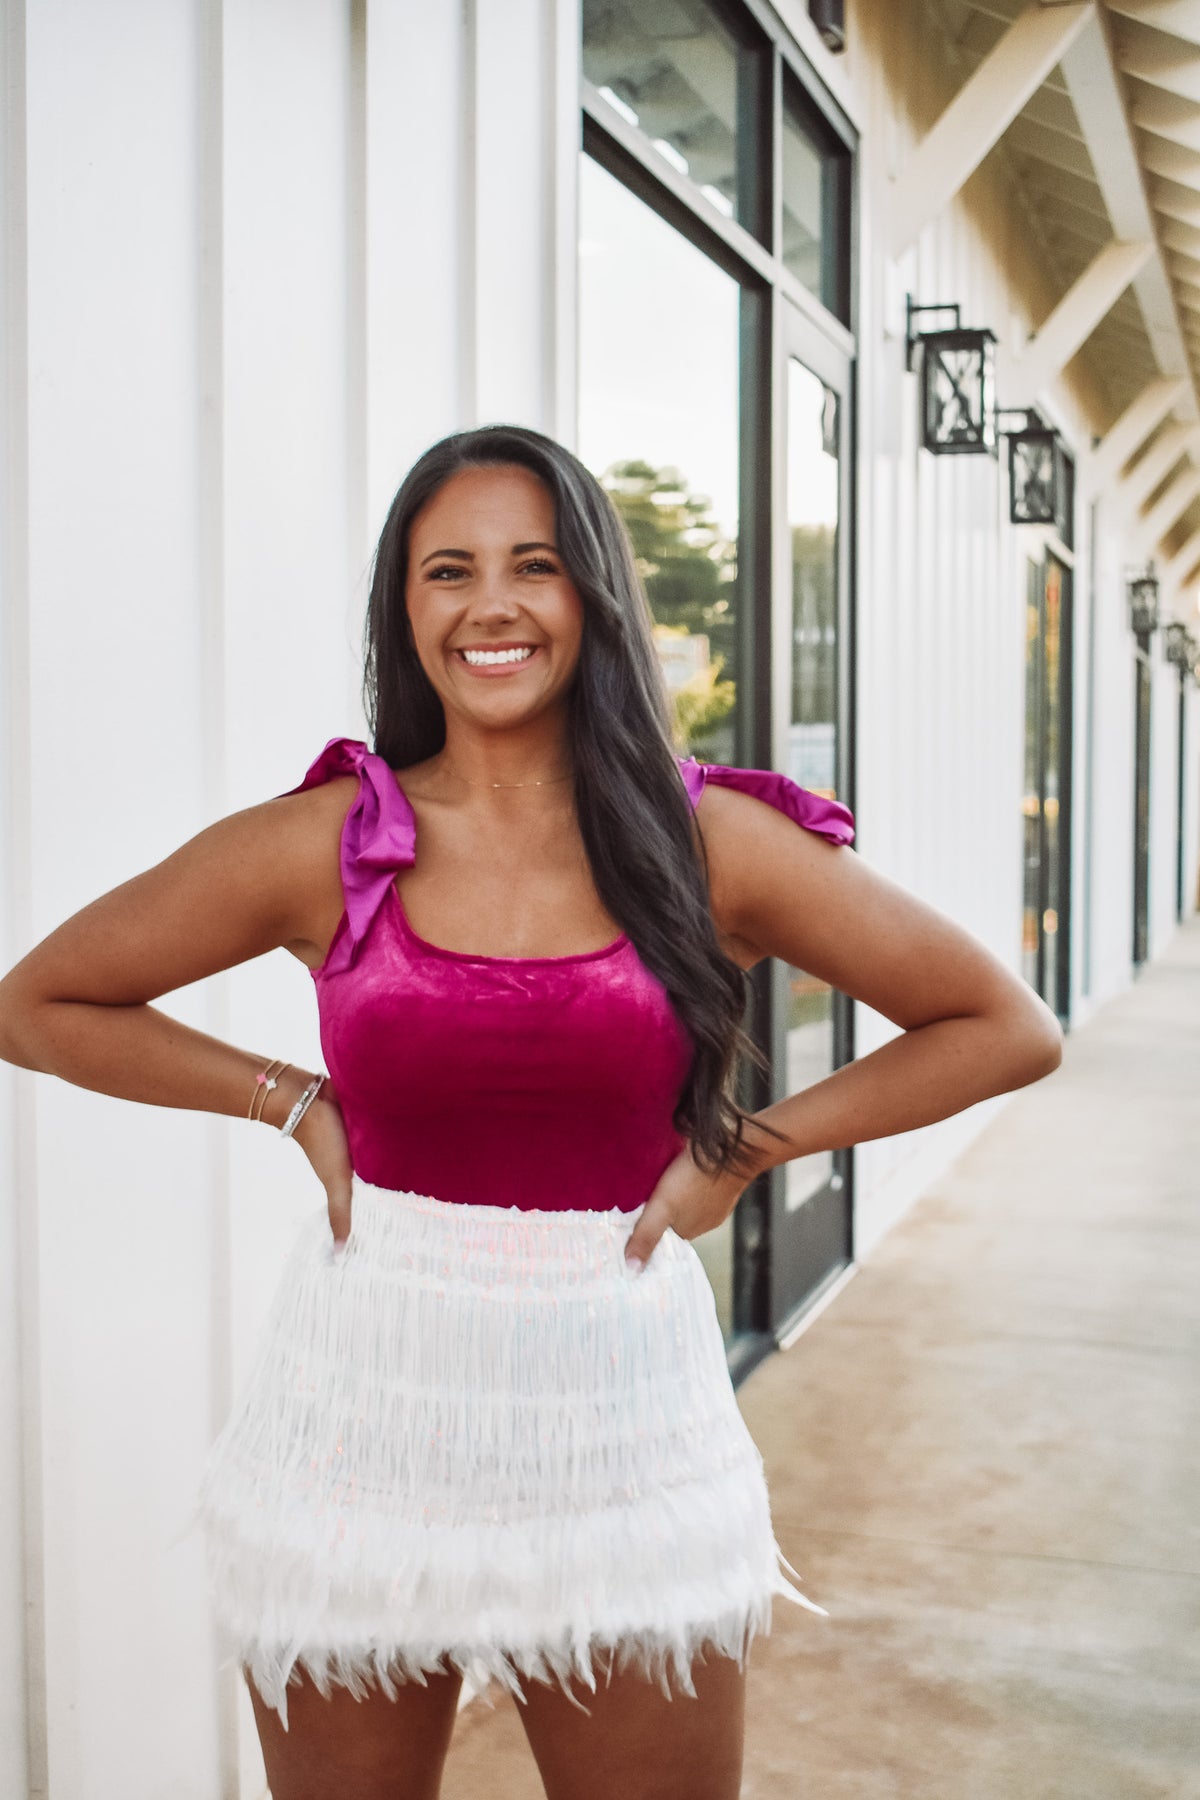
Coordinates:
<point>811,1236</point>
<point>1046,803</point>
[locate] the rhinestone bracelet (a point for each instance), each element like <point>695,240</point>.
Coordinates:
<point>301,1107</point>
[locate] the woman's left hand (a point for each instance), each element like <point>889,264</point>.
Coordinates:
<point>687,1199</point>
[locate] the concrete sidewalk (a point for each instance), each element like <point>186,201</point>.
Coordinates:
<point>984,1459</point>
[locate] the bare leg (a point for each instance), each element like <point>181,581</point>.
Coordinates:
<point>637,1743</point>
<point>348,1749</point>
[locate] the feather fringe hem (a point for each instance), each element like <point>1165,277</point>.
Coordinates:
<point>666,1659</point>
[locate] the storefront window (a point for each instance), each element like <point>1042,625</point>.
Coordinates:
<point>684,332</point>
<point>658,423</point>
<point>815,174</point>
<point>675,71</point>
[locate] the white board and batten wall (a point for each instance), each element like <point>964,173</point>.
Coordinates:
<point>255,261</point>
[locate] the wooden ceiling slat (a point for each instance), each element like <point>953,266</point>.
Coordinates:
<point>1177,18</point>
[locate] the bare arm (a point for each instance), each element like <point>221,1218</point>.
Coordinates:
<point>971,1028</point>
<point>78,1005</point>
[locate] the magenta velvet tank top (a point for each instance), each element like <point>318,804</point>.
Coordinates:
<point>544,1082</point>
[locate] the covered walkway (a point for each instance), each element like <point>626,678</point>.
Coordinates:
<point>985,1461</point>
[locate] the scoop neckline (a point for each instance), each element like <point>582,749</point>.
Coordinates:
<point>475,956</point>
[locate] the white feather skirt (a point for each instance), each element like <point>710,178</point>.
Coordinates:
<point>476,1441</point>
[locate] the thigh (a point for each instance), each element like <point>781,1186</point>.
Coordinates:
<point>635,1742</point>
<point>372,1749</point>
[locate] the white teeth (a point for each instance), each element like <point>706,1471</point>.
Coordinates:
<point>497,656</point>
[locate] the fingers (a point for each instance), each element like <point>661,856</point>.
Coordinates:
<point>657,1214</point>
<point>339,1215</point>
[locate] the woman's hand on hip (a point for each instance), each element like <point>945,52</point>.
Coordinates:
<point>321,1134</point>
<point>688,1200</point>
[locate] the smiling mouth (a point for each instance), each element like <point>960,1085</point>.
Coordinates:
<point>493,659</point>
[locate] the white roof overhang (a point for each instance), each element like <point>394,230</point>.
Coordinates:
<point>1099,133</point>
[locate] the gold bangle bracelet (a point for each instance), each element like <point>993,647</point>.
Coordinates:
<point>264,1084</point>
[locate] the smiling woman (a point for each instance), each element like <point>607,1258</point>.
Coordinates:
<point>490,1432</point>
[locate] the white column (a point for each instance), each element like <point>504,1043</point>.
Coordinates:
<point>22,1615</point>
<point>523,152</point>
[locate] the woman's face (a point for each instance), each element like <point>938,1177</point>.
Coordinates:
<point>496,620</point>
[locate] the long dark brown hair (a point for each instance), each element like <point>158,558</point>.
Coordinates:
<point>646,854</point>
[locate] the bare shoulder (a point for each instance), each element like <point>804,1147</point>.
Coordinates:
<point>781,890</point>
<point>746,841</point>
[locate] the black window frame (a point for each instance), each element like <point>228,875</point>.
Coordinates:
<point>764,281</point>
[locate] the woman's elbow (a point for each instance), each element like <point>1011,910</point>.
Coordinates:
<point>16,1011</point>
<point>1036,1039</point>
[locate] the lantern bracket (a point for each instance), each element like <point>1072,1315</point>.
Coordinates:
<point>912,338</point>
<point>1012,422</point>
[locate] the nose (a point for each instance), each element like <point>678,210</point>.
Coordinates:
<point>494,597</point>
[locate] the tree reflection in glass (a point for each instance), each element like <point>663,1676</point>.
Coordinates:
<point>689,568</point>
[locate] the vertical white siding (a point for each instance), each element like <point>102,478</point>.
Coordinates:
<point>21,1706</point>
<point>941,598</point>
<point>271,257</point>
<point>116,782</point>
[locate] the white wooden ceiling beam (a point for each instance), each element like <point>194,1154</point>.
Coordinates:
<point>980,113</point>
<point>1076,317</point>
<point>1184,563</point>
<point>1101,99</point>
<point>1124,439</point>
<point>1174,503</point>
<point>1157,463</point>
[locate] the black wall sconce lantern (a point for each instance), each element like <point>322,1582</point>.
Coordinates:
<point>1181,648</point>
<point>829,17</point>
<point>958,383</point>
<point>1039,473</point>
<point>1142,587</point>
<point>1175,644</point>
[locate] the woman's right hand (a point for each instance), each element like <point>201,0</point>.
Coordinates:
<point>321,1134</point>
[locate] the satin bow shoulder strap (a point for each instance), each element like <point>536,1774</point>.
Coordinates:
<point>378,838</point>
<point>828,818</point>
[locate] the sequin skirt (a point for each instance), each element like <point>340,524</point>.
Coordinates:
<point>476,1441</point>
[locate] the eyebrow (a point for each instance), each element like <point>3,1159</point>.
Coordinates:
<point>469,555</point>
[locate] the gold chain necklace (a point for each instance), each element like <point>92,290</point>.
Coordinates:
<point>547,781</point>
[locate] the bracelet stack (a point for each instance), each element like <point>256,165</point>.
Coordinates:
<point>267,1081</point>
